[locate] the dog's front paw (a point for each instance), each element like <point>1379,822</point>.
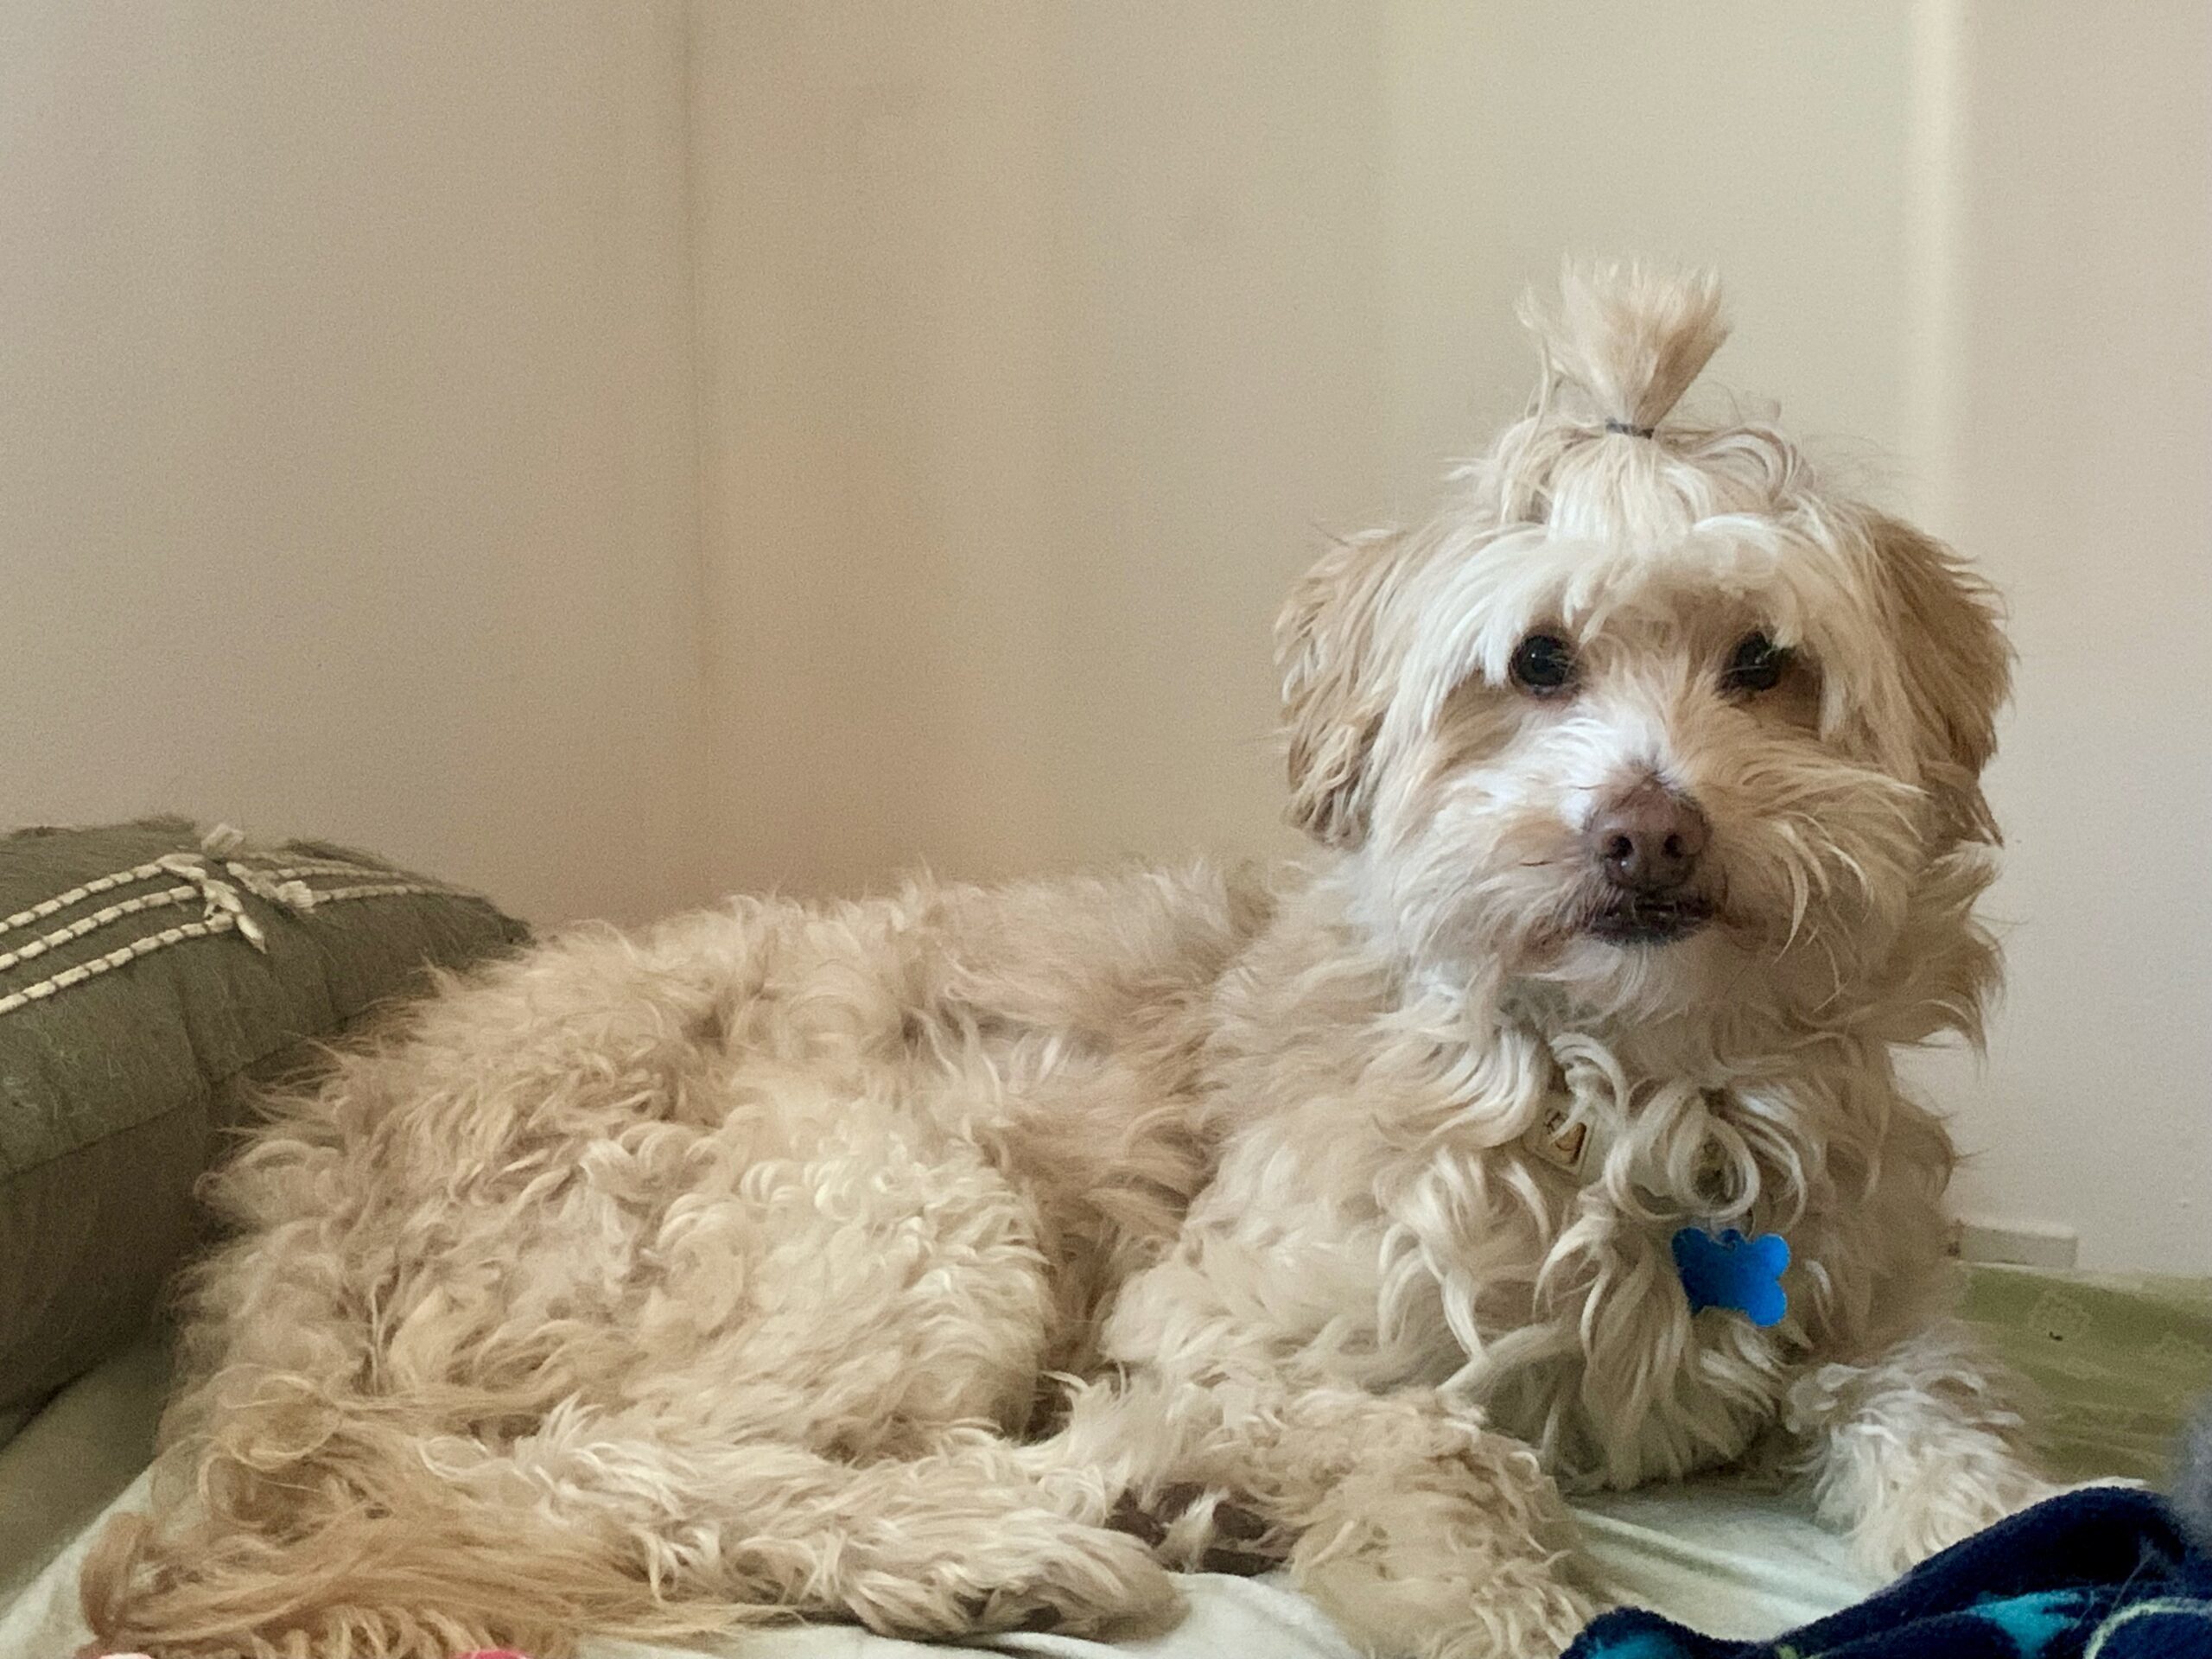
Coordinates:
<point>1510,1614</point>
<point>1944,1503</point>
<point>1536,1619</point>
<point>1047,1574</point>
<point>1435,1586</point>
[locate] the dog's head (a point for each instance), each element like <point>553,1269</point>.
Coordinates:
<point>1650,716</point>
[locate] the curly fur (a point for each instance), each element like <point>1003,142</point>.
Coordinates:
<point>882,1261</point>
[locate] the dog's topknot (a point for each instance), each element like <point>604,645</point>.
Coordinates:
<point>1627,338</point>
<point>1620,344</point>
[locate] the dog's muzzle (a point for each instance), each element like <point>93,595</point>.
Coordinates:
<point>1647,843</point>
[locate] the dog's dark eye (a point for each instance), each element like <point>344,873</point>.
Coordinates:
<point>1544,664</point>
<point>1756,664</point>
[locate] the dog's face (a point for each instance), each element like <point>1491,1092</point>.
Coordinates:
<point>1663,757</point>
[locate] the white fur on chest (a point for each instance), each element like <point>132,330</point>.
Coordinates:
<point>1556,1277</point>
<point>1377,1214</point>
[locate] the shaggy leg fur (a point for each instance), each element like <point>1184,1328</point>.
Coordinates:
<point>1417,1530</point>
<point>1439,1539</point>
<point>585,1527</point>
<point>1915,1451</point>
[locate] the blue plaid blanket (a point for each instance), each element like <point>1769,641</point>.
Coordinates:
<point>2099,1575</point>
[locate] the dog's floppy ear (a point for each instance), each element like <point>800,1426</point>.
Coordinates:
<point>1335,690</point>
<point>1957,667</point>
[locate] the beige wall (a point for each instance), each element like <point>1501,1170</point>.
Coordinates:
<point>2074,398</point>
<point>1772,142</point>
<point>610,452</point>
<point>1041,347</point>
<point>347,463</point>
<point>1035,343</point>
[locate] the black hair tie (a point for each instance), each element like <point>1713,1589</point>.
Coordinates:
<point>1630,429</point>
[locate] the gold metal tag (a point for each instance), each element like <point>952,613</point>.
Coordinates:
<point>1561,1140</point>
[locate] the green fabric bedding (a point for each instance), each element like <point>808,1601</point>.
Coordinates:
<point>2117,1362</point>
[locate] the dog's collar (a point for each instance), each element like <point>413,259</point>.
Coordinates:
<point>1722,1269</point>
<point>1571,1138</point>
<point>1574,1137</point>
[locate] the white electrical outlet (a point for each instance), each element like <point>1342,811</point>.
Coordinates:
<point>2014,1244</point>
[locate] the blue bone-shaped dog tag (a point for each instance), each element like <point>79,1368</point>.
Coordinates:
<point>1733,1271</point>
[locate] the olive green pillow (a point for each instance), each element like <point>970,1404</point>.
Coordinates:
<point>150,976</point>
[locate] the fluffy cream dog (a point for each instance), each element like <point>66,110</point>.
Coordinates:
<point>967,1258</point>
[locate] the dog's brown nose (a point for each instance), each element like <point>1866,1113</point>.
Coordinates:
<point>1649,840</point>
